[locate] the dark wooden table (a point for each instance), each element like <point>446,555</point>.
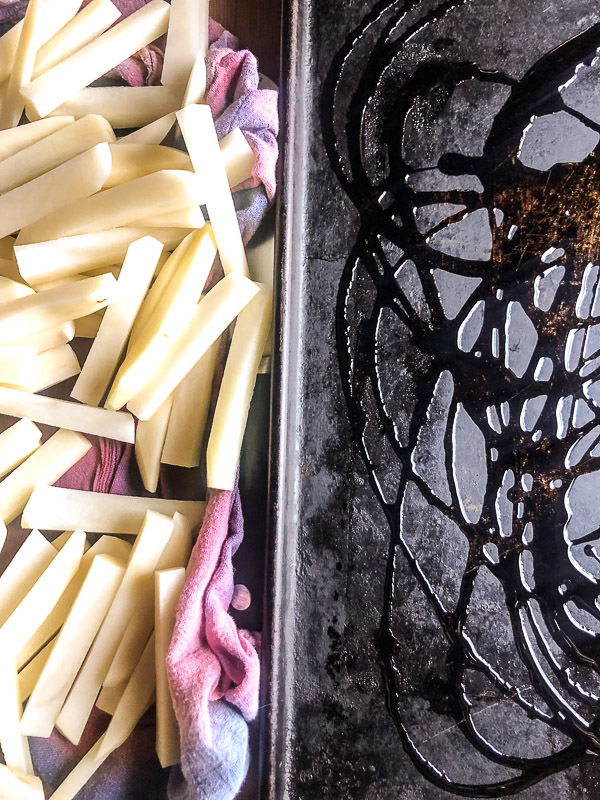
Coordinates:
<point>258,27</point>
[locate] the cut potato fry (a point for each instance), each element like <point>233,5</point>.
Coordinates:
<point>81,773</point>
<point>56,14</point>
<point>15,747</point>
<point>46,465</point>
<point>238,156</point>
<point>71,255</point>
<point>50,338</point>
<point>65,414</point>
<point>53,150</point>
<point>72,644</point>
<point>149,441</point>
<point>167,190</point>
<point>16,444</point>
<point>171,307</point>
<point>136,700</point>
<point>237,387</point>
<point>190,217</point>
<point>137,697</point>
<point>189,414</point>
<point>53,366</point>
<point>7,242</point>
<point>28,564</point>
<point>131,161</point>
<point>17,785</point>
<point>12,290</point>
<point>9,269</point>
<point>176,554</point>
<point>122,106</point>
<point>70,182</point>
<point>167,588</point>
<point>22,68</point>
<point>61,82</point>
<point>195,89</point>
<point>88,327</point>
<point>152,133</point>
<point>43,596</point>
<point>187,38</point>
<point>54,509</point>
<point>109,698</point>
<point>39,312</point>
<point>134,280</point>
<point>106,545</point>
<point>198,130</point>
<point>13,140</point>
<point>85,26</point>
<point>28,676</point>
<point>215,312</point>
<point>18,365</point>
<point>139,574</point>
<point>60,541</point>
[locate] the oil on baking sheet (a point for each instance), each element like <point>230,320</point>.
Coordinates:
<point>468,338</point>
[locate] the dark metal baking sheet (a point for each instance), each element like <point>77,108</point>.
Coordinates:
<point>434,605</point>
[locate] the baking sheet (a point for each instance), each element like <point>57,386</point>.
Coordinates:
<point>434,609</point>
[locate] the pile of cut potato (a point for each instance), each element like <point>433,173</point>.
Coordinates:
<point>104,236</point>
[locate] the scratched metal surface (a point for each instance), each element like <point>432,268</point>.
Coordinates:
<point>439,410</point>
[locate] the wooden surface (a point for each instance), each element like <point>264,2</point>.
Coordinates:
<point>257,25</point>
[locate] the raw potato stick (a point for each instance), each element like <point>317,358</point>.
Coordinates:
<point>238,156</point>
<point>137,697</point>
<point>46,465</point>
<point>171,307</point>
<point>29,675</point>
<point>27,565</point>
<point>53,150</point>
<point>50,338</point>
<point>153,536</point>
<point>18,365</point>
<point>10,289</point>
<point>53,307</point>
<point>196,85</point>
<point>106,545</point>
<point>215,312</point>
<point>237,386</point>
<point>72,644</point>
<point>69,183</point>
<point>109,345</point>
<point>88,327</point>
<point>131,161</point>
<point>16,444</point>
<point>198,130</point>
<point>65,414</point>
<point>167,190</point>
<point>55,14</point>
<point>53,366</point>
<point>43,596</point>
<point>17,785</point>
<point>187,38</point>
<point>109,698</point>
<point>123,106</point>
<point>13,140</point>
<point>22,68</point>
<point>58,258</point>
<point>58,84</point>
<point>152,133</point>
<point>189,217</point>
<point>136,700</point>
<point>149,441</point>
<point>85,26</point>
<point>189,414</point>
<point>54,509</point>
<point>167,588</point>
<point>176,554</point>
<point>15,747</point>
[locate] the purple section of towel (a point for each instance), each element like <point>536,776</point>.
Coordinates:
<point>213,665</point>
